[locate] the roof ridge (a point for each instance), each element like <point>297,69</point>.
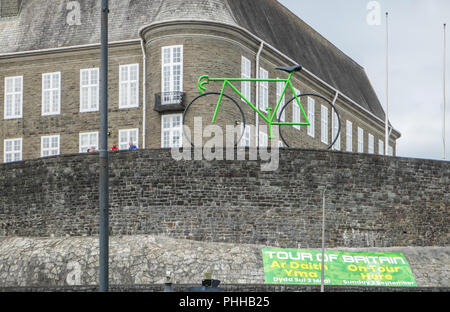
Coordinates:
<point>227,4</point>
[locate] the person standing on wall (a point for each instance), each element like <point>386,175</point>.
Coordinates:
<point>132,146</point>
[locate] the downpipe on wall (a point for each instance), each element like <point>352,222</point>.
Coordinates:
<point>258,59</point>
<point>144,91</point>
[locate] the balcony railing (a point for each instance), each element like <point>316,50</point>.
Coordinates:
<point>169,101</point>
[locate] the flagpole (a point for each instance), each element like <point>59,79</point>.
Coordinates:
<point>386,143</point>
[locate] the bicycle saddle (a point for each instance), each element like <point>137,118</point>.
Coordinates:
<point>290,69</point>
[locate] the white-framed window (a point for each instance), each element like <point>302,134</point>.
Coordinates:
<point>50,145</point>
<point>88,140</point>
<point>349,136</point>
<point>171,131</point>
<point>263,90</point>
<point>311,113</point>
<point>51,94</point>
<point>263,139</point>
<point>246,73</point>
<point>390,151</point>
<point>13,97</point>
<point>324,124</point>
<point>371,147</point>
<point>280,88</point>
<point>172,72</point>
<point>360,140</point>
<point>89,90</point>
<point>12,150</point>
<point>296,113</point>
<point>127,136</point>
<point>335,125</point>
<point>246,137</point>
<point>380,147</point>
<point>129,86</point>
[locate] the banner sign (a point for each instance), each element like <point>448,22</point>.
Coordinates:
<point>303,267</point>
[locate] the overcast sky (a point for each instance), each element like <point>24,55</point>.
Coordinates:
<point>416,61</point>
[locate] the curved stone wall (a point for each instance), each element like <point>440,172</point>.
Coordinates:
<point>376,201</point>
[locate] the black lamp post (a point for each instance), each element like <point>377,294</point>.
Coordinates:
<point>104,161</point>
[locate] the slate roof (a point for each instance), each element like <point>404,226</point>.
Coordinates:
<point>42,25</point>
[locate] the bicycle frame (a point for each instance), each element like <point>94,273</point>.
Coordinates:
<point>270,116</point>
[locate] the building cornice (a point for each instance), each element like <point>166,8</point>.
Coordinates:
<point>67,49</point>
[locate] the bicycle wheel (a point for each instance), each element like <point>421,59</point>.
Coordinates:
<point>199,113</point>
<point>291,136</point>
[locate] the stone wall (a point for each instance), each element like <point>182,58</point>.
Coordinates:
<point>375,201</point>
<point>135,261</point>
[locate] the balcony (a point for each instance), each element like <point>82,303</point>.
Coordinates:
<point>169,101</point>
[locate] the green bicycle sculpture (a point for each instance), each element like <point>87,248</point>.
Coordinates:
<point>271,117</point>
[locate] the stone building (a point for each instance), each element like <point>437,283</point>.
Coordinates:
<point>49,74</point>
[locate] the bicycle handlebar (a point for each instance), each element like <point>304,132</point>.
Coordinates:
<point>203,80</point>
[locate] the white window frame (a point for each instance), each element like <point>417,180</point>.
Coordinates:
<point>296,113</point>
<point>349,136</point>
<point>390,151</point>
<point>171,65</point>
<point>13,152</point>
<point>263,139</point>
<point>335,125</point>
<point>324,124</point>
<point>127,84</point>
<point>15,95</point>
<point>371,144</point>
<point>311,113</point>
<point>175,129</point>
<point>360,140</point>
<point>92,87</point>
<point>128,132</point>
<point>54,108</point>
<point>95,144</point>
<point>246,73</point>
<point>263,90</point>
<point>380,147</point>
<point>50,137</point>
<point>280,87</point>
<point>246,136</point>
